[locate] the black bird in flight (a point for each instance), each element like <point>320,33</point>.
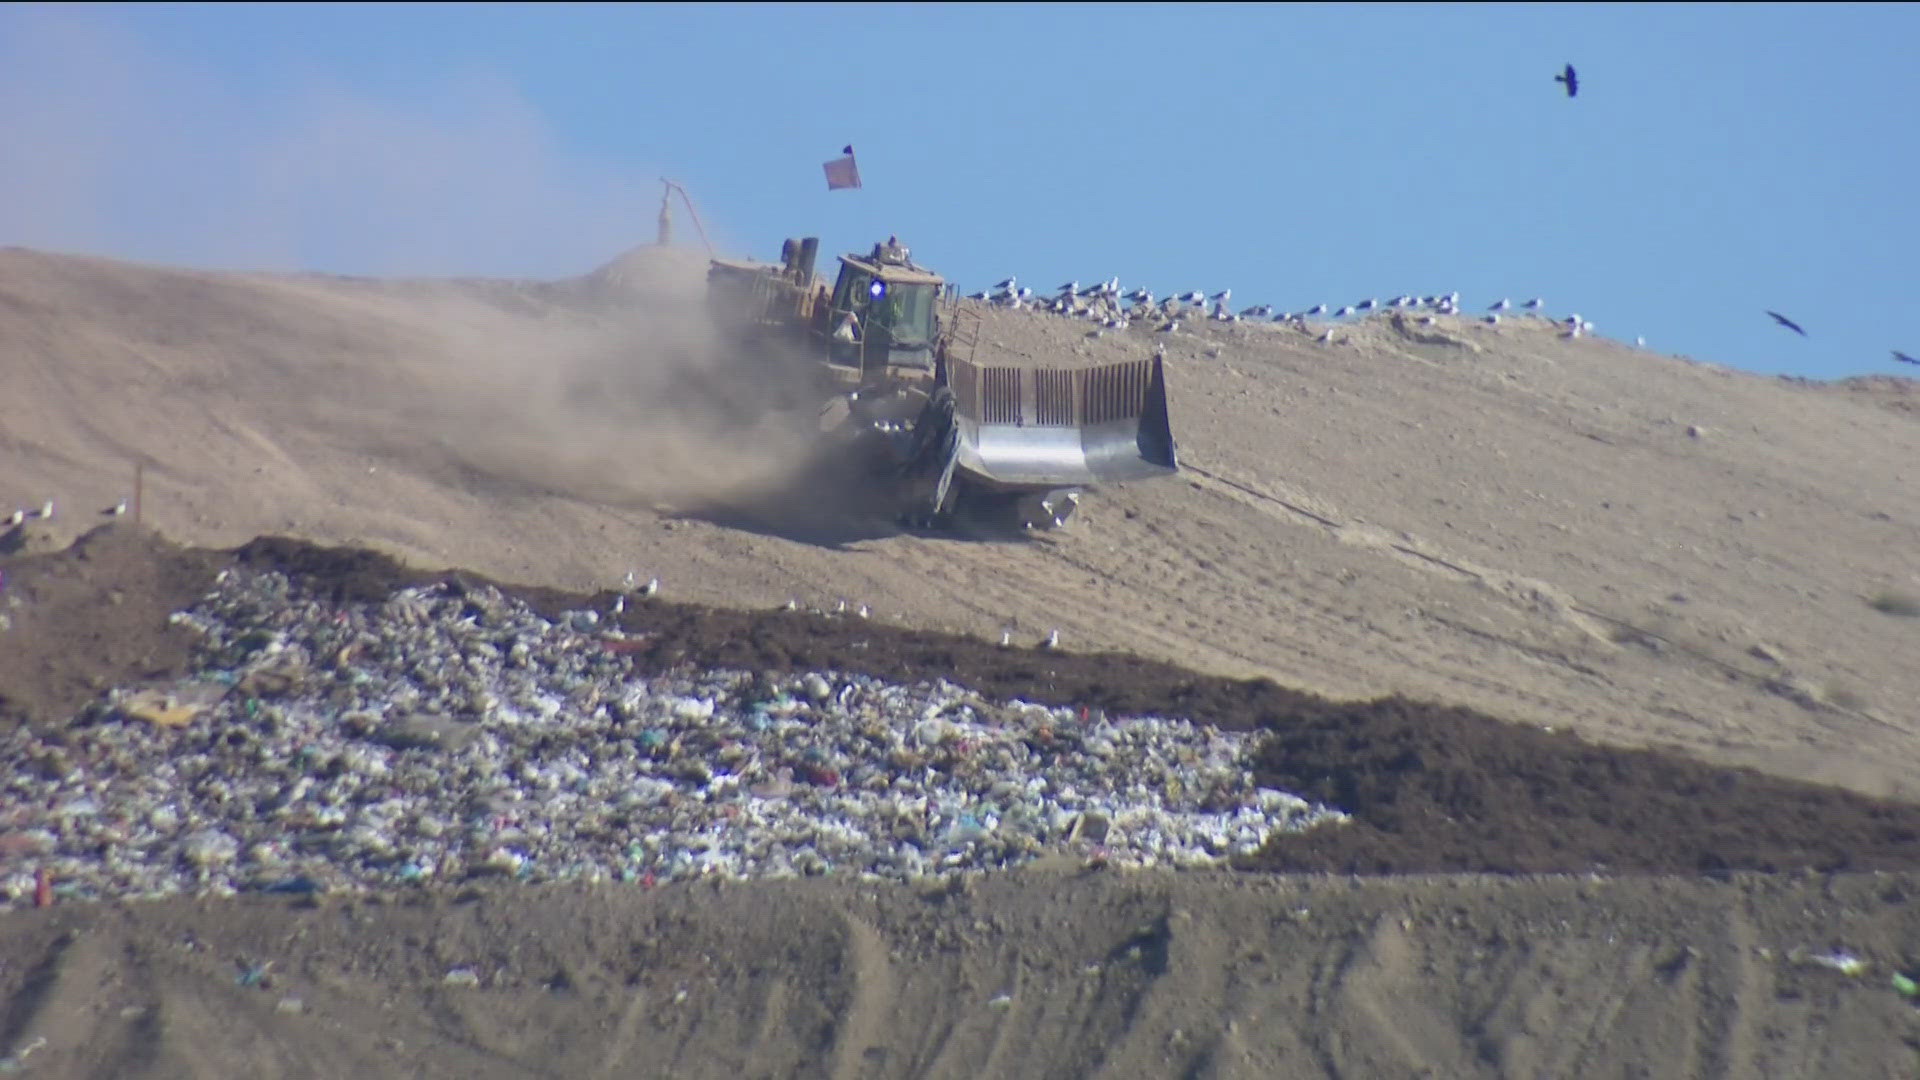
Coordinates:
<point>1904,358</point>
<point>1572,80</point>
<point>1788,323</point>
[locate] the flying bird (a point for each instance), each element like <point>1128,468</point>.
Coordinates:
<point>1568,76</point>
<point>1904,358</point>
<point>1788,323</point>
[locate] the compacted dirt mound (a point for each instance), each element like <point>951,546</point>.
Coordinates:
<point>1431,788</point>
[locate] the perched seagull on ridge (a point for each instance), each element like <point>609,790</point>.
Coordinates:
<point>1053,640</point>
<point>1534,304</point>
<point>46,510</point>
<point>651,587</point>
<point>19,516</point>
<point>1788,323</point>
<point>1499,305</point>
<point>1317,309</point>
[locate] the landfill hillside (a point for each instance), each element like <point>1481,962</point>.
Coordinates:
<point>1571,533</point>
<point>360,745</point>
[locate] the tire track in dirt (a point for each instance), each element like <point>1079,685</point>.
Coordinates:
<point>871,1004</point>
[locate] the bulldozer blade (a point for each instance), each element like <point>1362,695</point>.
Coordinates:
<point>1062,427</point>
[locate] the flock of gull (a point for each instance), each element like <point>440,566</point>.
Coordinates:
<point>45,513</point>
<point>1109,308</point>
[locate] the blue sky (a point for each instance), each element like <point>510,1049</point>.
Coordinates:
<point>1719,160</point>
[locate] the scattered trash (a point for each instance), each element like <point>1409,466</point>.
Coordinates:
<point>450,732</point>
<point>462,976</point>
<point>161,710</point>
<point>254,975</point>
<point>43,888</point>
<point>17,1060</point>
<point>1001,1002</point>
<point>289,1006</point>
<point>1843,962</point>
<point>1906,986</point>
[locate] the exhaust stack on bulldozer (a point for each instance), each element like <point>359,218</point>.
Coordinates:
<point>956,437</point>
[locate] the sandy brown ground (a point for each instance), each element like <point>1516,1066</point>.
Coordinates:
<point>1036,974</point>
<point>1572,534</point>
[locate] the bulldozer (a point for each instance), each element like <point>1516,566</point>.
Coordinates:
<point>892,352</point>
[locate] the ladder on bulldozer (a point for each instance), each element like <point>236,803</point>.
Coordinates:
<point>959,332</point>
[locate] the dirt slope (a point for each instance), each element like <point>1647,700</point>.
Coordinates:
<point>1570,533</point>
<point>1036,974</point>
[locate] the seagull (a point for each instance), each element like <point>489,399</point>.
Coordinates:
<point>1170,327</point>
<point>1904,358</point>
<point>620,604</point>
<point>1366,305</point>
<point>1788,323</point>
<point>1317,309</point>
<point>1571,79</point>
<point>792,605</point>
<point>116,509</point>
<point>865,611</point>
<point>651,587</point>
<point>1640,342</point>
<point>1071,288</point>
<point>1007,285</point>
<point>1493,319</point>
<point>1053,640</point>
<point>1343,312</point>
<point>46,510</point>
<point>1534,304</point>
<point>19,516</point>
<point>1326,338</point>
<point>981,295</point>
<point>1499,305</point>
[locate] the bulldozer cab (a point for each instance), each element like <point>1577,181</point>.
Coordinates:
<point>882,313</point>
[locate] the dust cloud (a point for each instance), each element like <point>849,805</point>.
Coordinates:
<point>620,388</point>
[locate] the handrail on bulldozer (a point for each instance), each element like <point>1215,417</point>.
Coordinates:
<point>665,195</point>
